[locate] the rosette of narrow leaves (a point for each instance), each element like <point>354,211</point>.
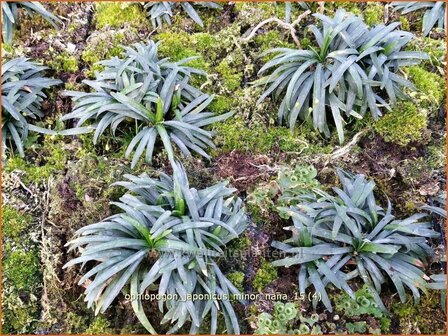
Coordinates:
<point>435,13</point>
<point>10,16</point>
<point>337,238</point>
<point>151,95</point>
<point>22,93</point>
<point>166,235</point>
<point>352,69</point>
<point>160,12</point>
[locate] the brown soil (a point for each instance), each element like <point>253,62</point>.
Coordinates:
<point>242,170</point>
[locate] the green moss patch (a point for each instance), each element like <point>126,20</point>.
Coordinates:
<point>52,160</point>
<point>231,80</point>
<point>21,268</point>
<point>274,39</point>
<point>19,315</point>
<point>79,174</point>
<point>373,13</point>
<point>64,62</point>
<point>14,223</point>
<point>237,278</point>
<point>179,45</point>
<point>431,84</point>
<point>99,326</point>
<point>119,14</point>
<point>235,134</point>
<point>264,276</point>
<point>405,123</point>
<point>436,49</point>
<point>21,275</point>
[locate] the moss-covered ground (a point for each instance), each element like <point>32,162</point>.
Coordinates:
<point>63,184</point>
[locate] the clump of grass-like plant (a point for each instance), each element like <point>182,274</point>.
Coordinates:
<point>435,13</point>
<point>150,95</point>
<point>166,235</point>
<point>10,16</point>
<point>347,235</point>
<point>350,70</point>
<point>23,85</point>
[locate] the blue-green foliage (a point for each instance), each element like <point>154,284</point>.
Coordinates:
<point>23,87</point>
<point>353,68</point>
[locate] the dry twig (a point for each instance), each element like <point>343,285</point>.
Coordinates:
<point>321,7</point>
<point>283,24</point>
<point>344,150</point>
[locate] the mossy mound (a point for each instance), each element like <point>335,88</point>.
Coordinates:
<point>21,273</point>
<point>373,13</point>
<point>71,177</point>
<point>404,124</point>
<point>64,62</point>
<point>119,14</point>
<point>237,278</point>
<point>429,83</point>
<point>99,326</point>
<point>217,54</point>
<point>51,160</point>
<point>14,223</point>
<point>264,276</point>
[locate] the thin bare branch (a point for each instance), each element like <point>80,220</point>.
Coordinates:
<point>283,24</point>
<point>344,150</point>
<point>321,7</point>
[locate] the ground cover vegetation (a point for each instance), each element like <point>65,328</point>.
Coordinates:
<point>289,157</point>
